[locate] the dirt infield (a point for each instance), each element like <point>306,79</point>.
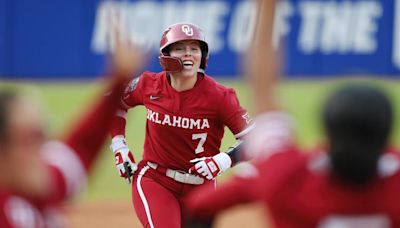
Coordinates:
<point>120,214</point>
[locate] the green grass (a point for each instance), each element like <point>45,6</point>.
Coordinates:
<point>64,102</point>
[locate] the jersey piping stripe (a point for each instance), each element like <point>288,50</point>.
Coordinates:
<point>124,104</point>
<point>245,131</point>
<point>122,113</point>
<point>143,197</point>
<point>64,158</point>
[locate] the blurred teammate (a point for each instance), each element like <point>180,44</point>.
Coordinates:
<point>353,182</point>
<point>186,114</point>
<point>37,176</point>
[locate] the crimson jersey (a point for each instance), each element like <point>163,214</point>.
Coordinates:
<point>67,175</point>
<point>305,195</point>
<point>183,125</point>
<point>68,162</point>
<point>300,192</point>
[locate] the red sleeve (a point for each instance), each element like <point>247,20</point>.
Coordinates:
<point>118,123</point>
<point>60,184</point>
<point>70,159</point>
<point>90,132</point>
<point>233,115</point>
<point>131,97</point>
<point>277,170</point>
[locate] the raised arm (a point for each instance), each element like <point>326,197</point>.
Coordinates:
<point>72,158</point>
<point>262,61</point>
<point>262,73</point>
<point>274,128</point>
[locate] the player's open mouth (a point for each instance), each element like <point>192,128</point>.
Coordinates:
<point>188,64</point>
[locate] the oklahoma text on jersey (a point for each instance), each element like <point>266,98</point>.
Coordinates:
<point>177,121</point>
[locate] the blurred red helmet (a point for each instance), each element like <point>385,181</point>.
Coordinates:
<point>179,32</point>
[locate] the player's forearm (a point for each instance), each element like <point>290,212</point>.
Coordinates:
<point>263,67</point>
<point>92,129</point>
<point>118,124</point>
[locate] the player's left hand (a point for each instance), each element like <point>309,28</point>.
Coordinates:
<point>210,167</point>
<point>126,58</point>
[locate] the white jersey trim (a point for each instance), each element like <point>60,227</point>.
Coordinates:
<point>245,131</point>
<point>63,157</point>
<point>320,163</point>
<point>125,105</point>
<point>122,113</point>
<point>388,165</point>
<point>143,197</point>
<point>21,213</point>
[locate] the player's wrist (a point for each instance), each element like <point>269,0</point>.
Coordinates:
<point>118,143</point>
<point>223,161</point>
<point>235,151</point>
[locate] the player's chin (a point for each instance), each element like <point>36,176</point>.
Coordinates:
<point>189,72</point>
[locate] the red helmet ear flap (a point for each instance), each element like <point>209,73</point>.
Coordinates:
<point>171,64</point>
<point>204,55</point>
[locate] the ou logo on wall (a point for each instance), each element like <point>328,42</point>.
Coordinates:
<point>187,30</point>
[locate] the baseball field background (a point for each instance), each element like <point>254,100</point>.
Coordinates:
<point>54,44</point>
<point>106,200</point>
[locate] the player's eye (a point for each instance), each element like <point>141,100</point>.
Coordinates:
<point>178,47</point>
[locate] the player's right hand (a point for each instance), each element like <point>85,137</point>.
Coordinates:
<point>125,163</point>
<point>124,160</point>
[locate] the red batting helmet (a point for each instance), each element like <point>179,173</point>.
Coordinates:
<point>179,32</point>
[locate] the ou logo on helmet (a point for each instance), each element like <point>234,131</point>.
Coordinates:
<point>187,30</point>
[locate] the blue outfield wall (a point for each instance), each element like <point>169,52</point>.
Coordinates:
<point>60,39</point>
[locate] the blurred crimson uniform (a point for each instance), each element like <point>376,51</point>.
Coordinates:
<point>68,163</point>
<point>300,192</point>
<point>180,126</point>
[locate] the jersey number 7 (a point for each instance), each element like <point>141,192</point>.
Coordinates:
<point>203,138</point>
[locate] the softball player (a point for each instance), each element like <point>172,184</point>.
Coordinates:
<point>187,111</point>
